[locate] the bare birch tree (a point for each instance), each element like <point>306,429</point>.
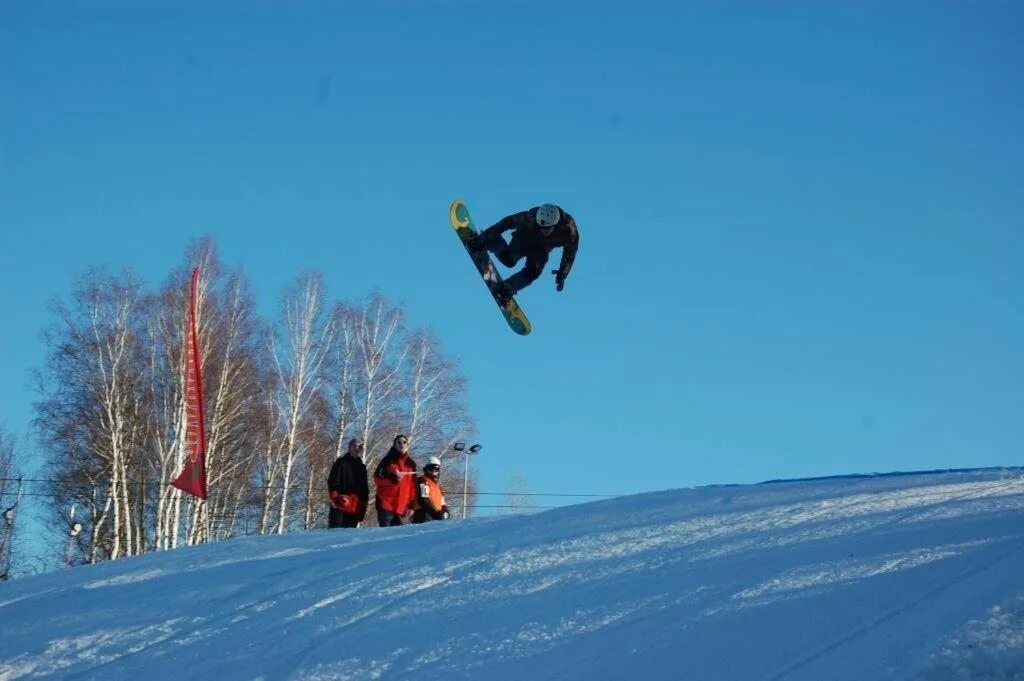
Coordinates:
<point>232,399</point>
<point>342,376</point>
<point>229,351</point>
<point>10,500</point>
<point>377,326</point>
<point>318,444</point>
<point>165,327</point>
<point>268,466</point>
<point>92,416</point>
<point>299,350</point>
<point>282,399</point>
<point>435,392</point>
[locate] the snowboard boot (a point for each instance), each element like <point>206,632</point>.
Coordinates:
<point>503,293</point>
<point>477,244</point>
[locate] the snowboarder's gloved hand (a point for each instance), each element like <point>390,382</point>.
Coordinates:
<point>445,515</point>
<point>559,279</point>
<point>478,243</point>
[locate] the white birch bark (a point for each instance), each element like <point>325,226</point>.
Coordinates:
<point>299,371</point>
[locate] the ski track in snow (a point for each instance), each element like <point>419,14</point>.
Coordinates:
<point>901,609</point>
<point>848,578</point>
<point>988,648</point>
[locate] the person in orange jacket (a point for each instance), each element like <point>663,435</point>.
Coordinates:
<point>429,495</point>
<point>348,487</point>
<point>396,484</point>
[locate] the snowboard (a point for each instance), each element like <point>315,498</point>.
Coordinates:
<point>462,223</point>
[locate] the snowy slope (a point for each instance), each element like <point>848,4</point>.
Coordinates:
<point>888,577</point>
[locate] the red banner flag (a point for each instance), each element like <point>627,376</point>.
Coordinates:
<point>193,478</point>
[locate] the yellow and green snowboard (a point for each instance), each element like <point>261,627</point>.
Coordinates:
<point>463,225</point>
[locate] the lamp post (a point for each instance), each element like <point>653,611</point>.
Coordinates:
<point>73,531</point>
<point>7,541</point>
<point>473,449</point>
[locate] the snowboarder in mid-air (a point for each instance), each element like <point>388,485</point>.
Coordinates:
<point>536,232</point>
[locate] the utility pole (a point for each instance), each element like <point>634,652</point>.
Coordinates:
<point>7,541</point>
<point>73,531</point>
<point>461,447</point>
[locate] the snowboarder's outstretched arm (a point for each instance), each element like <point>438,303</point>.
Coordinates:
<point>568,253</point>
<point>514,221</point>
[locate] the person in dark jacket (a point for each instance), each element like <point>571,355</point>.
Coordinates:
<point>396,484</point>
<point>535,233</point>
<point>429,495</point>
<point>348,487</point>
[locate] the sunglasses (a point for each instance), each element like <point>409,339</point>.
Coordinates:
<point>402,441</point>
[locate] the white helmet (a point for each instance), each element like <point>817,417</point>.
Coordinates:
<point>433,461</point>
<point>548,215</point>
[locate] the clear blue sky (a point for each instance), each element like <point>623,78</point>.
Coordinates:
<point>801,223</point>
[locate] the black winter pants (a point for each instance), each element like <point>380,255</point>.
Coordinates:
<point>338,519</point>
<point>508,254</point>
<point>389,519</point>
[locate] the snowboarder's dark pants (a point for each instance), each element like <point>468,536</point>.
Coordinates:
<point>338,519</point>
<point>389,519</point>
<point>511,253</point>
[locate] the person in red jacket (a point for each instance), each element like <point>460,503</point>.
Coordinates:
<point>429,495</point>
<point>396,484</point>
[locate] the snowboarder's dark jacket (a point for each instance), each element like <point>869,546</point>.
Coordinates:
<point>429,500</point>
<point>395,478</point>
<point>348,476</point>
<point>564,235</point>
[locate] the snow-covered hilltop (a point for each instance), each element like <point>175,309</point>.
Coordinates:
<point>909,576</point>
